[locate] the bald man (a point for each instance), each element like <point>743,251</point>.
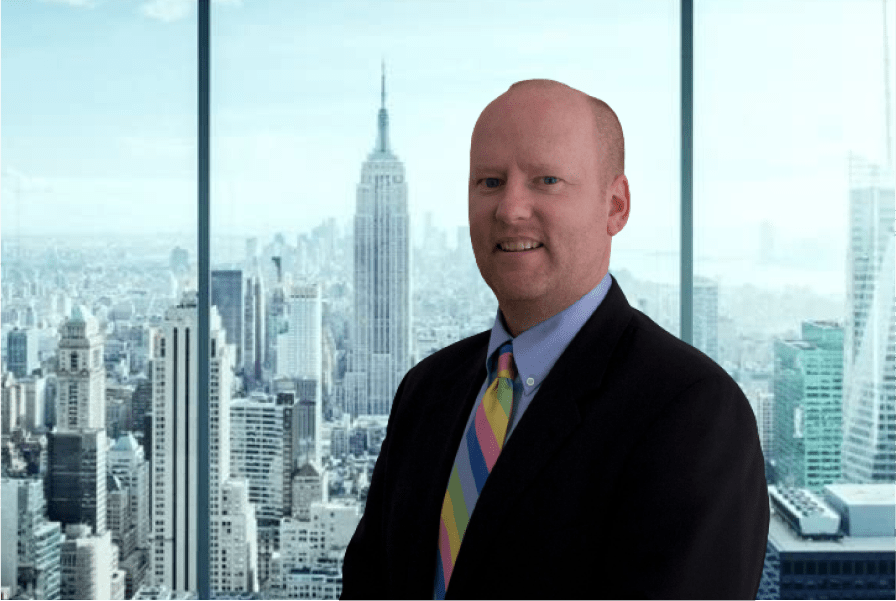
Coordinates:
<point>576,450</point>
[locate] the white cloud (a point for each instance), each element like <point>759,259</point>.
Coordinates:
<point>168,11</point>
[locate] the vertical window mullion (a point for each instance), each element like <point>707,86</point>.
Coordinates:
<point>204,281</point>
<point>686,293</point>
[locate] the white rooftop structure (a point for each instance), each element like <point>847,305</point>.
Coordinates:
<point>866,509</point>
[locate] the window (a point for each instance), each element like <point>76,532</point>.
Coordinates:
<point>793,222</point>
<point>788,226</point>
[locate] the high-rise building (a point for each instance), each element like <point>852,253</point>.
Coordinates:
<point>227,296</point>
<point>808,406</point>
<point>381,344</point>
<point>175,501</point>
<point>308,487</point>
<point>90,566</point>
<point>869,404</point>
<point>274,320</point>
<point>21,351</point>
<point>118,516</point>
<point>35,397</point>
<point>126,461</point>
<point>13,409</point>
<point>256,451</point>
<point>254,326</point>
<point>261,433</point>
<point>81,401</point>
<point>299,347</point>
<point>706,317</point>
<point>75,485</point>
<point>30,543</point>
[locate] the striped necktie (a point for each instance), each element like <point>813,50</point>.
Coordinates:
<point>476,457</point>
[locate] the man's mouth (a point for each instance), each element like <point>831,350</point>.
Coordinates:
<point>515,247</point>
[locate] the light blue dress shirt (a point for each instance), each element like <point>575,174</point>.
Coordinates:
<point>536,350</point>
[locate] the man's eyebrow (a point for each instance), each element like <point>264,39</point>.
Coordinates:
<point>530,167</point>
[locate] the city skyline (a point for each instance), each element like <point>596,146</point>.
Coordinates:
<point>797,165</point>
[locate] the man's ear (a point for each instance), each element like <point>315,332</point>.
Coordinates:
<point>619,206</point>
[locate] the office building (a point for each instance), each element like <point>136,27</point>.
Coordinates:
<point>227,296</point>
<point>31,544</point>
<point>254,341</point>
<point>75,485</point>
<point>174,538</point>
<point>126,462</point>
<point>89,566</point>
<point>21,351</point>
<point>869,404</point>
<point>381,342</point>
<point>808,406</point>
<point>706,317</point>
<point>81,374</point>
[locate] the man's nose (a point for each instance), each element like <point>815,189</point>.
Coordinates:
<point>516,202</point>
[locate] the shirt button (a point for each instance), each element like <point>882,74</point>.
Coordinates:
<point>530,381</point>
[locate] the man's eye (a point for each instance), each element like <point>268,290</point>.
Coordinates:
<point>549,179</point>
<point>492,182</point>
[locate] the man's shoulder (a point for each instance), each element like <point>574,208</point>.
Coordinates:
<point>650,348</point>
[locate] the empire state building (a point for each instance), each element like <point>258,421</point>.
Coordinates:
<point>382,289</point>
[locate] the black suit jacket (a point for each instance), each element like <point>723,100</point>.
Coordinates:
<point>636,472</point>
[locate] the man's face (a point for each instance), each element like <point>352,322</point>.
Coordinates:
<point>538,202</point>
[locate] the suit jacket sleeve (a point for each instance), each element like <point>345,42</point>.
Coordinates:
<point>696,521</point>
<point>364,572</point>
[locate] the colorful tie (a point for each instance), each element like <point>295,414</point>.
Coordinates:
<point>476,457</point>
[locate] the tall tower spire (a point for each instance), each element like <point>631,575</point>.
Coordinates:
<point>888,110</point>
<point>382,136</point>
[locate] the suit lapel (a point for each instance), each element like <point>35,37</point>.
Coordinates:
<point>440,427</point>
<point>550,419</point>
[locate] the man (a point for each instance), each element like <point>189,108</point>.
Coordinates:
<point>577,449</point>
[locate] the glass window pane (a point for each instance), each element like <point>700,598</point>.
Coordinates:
<point>98,246</point>
<point>342,289</point>
<point>794,213</point>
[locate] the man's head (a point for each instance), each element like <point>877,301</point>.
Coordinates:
<point>547,193</point>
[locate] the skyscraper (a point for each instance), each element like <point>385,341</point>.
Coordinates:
<point>175,500</point>
<point>254,326</point>
<point>706,317</point>
<point>21,348</point>
<point>31,543</point>
<point>76,478</point>
<point>76,449</point>
<point>126,461</point>
<point>227,296</point>
<point>299,347</point>
<point>381,275</point>
<point>869,404</point>
<point>81,402</point>
<point>808,406</point>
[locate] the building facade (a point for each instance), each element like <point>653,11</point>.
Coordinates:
<point>869,407</point>
<point>174,538</point>
<point>808,391</point>
<point>381,351</point>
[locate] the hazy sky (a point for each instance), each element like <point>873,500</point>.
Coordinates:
<point>98,111</point>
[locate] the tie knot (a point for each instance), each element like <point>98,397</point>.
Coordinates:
<point>506,366</point>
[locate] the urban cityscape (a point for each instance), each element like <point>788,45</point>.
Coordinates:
<point>311,334</point>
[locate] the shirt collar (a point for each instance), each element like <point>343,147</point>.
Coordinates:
<point>537,349</point>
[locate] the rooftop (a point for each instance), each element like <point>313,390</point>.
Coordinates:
<point>785,540</point>
<point>865,494</point>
